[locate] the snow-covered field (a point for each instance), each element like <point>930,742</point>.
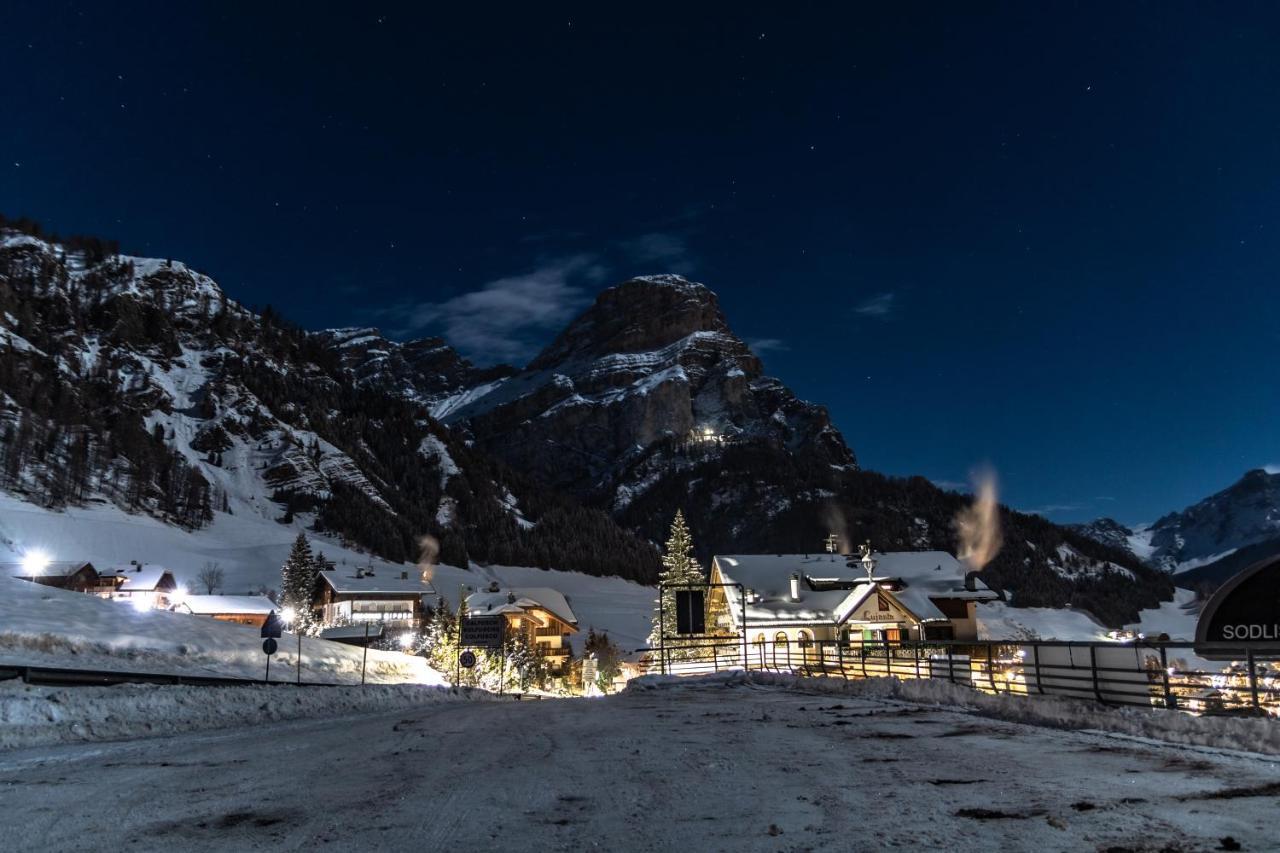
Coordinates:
<point>733,764</point>
<point>251,548</point>
<point>42,626</point>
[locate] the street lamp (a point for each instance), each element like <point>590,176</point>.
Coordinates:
<point>34,562</point>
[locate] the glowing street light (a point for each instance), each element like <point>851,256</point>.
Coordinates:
<point>34,562</point>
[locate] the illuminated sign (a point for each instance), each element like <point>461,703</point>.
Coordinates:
<point>1246,609</point>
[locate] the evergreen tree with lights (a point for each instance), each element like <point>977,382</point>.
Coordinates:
<point>525,667</point>
<point>679,570</point>
<point>297,584</point>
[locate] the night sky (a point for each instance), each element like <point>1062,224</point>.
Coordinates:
<point>1043,238</point>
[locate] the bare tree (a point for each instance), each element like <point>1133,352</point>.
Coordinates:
<point>211,576</point>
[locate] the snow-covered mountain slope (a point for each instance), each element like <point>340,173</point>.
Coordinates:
<point>139,382</point>
<point>1243,514</point>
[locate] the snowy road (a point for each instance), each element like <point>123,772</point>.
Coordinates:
<point>702,767</point>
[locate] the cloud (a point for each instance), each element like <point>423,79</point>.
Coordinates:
<point>759,345</point>
<point>1052,509</point>
<point>665,250</point>
<point>510,318</point>
<point>880,305</point>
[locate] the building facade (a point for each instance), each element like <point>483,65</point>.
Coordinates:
<point>542,614</point>
<point>357,595</point>
<point>786,603</point>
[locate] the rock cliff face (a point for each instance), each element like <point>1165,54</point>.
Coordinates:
<point>423,370</point>
<point>650,371</point>
<point>1244,514</point>
<point>138,381</point>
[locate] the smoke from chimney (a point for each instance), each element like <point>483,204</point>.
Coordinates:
<point>428,552</point>
<point>978,525</point>
<point>833,521</point>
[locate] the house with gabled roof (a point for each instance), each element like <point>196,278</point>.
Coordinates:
<point>75,575</point>
<point>541,613</point>
<point>785,599</point>
<point>396,599</point>
<point>145,585</point>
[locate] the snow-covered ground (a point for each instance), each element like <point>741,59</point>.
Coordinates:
<point>33,715</point>
<point>999,621</point>
<point>43,626</point>
<point>736,764</point>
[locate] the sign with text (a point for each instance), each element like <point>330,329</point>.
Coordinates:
<point>1244,611</point>
<point>691,611</point>
<point>484,632</point>
<point>273,627</point>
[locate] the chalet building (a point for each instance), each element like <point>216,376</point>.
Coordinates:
<point>75,575</point>
<point>794,600</point>
<point>351,596</point>
<point>144,585</point>
<point>542,614</point>
<point>241,609</point>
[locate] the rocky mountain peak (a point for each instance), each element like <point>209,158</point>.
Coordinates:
<point>642,314</point>
<point>424,369</point>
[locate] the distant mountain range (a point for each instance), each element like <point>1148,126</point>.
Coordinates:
<point>1210,540</point>
<point>139,381</point>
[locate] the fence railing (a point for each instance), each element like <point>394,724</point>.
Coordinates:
<point>1142,673</point>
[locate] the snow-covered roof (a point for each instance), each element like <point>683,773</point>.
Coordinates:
<point>59,569</point>
<point>388,583</point>
<point>526,598</point>
<point>248,605</point>
<point>832,587</point>
<point>145,578</point>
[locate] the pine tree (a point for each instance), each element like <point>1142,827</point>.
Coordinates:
<point>679,569</point>
<point>608,659</point>
<point>525,668</point>
<point>297,581</point>
<point>440,640</point>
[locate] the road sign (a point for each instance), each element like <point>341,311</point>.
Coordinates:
<point>273,627</point>
<point>269,646</point>
<point>691,611</point>
<point>467,659</point>
<point>483,632</point>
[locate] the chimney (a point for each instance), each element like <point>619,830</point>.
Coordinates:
<point>970,581</point>
<point>359,572</point>
<point>404,576</point>
<point>493,587</point>
<point>795,586</point>
<point>751,596</point>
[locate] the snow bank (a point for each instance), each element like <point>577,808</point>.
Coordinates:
<point>1234,733</point>
<point>999,621</point>
<point>35,716</point>
<point>44,626</point>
